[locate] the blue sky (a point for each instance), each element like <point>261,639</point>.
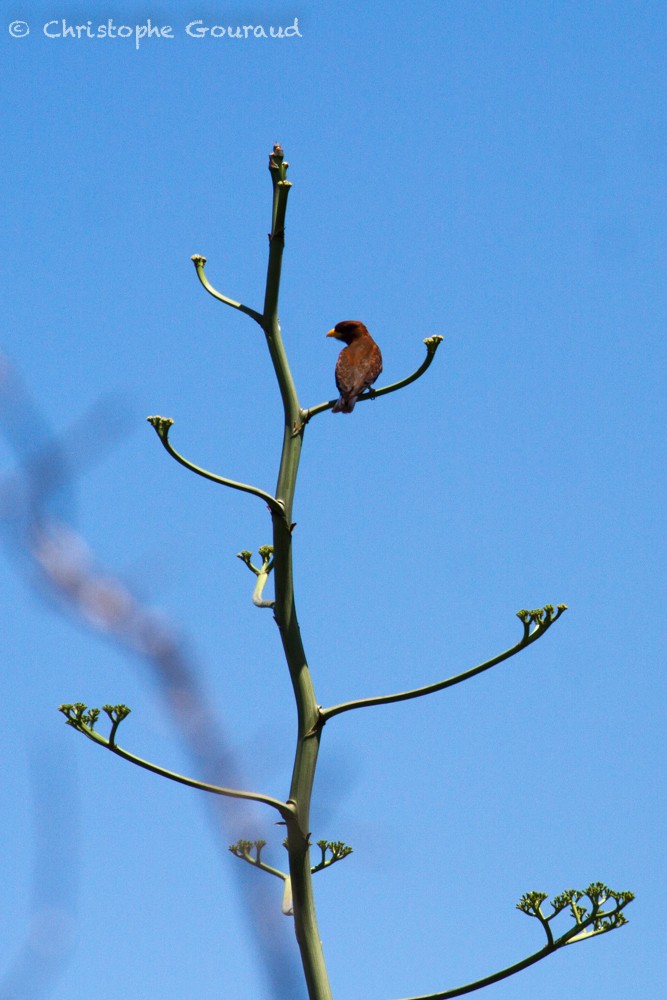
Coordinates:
<point>491,172</point>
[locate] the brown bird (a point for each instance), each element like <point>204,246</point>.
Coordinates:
<point>358,365</point>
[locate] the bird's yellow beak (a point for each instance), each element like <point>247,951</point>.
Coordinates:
<point>332,333</point>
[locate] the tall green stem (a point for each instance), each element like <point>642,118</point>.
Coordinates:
<point>308,733</point>
<point>295,812</point>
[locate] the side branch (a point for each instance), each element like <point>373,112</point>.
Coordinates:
<point>432,344</point>
<point>479,984</point>
<point>199,263</point>
<point>337,851</point>
<point>162,426</point>
<point>83,720</point>
<point>600,918</point>
<point>542,618</point>
<point>262,573</point>
<point>233,793</point>
<point>242,849</point>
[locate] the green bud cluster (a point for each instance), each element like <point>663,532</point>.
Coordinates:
<point>432,343</point>
<point>531,903</point>
<point>242,849</point>
<point>265,551</point>
<point>588,919</point>
<point>336,848</point>
<point>83,718</point>
<point>162,425</point>
<point>117,712</point>
<point>541,618</point>
<point>79,715</point>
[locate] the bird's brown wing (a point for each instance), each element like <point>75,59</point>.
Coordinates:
<point>357,367</point>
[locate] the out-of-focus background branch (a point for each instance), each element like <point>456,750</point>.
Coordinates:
<point>62,568</point>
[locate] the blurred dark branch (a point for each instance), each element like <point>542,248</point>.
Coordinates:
<point>35,506</point>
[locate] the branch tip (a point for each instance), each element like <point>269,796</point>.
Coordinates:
<point>336,848</point>
<point>79,716</point>
<point>83,719</point>
<point>541,618</point>
<point>590,917</point>
<point>251,852</point>
<point>277,164</point>
<point>262,573</point>
<point>117,712</point>
<point>245,557</point>
<point>198,260</point>
<point>161,426</point>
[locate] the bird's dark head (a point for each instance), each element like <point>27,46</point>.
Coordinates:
<point>348,330</point>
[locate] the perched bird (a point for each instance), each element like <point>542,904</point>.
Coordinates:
<point>358,365</point>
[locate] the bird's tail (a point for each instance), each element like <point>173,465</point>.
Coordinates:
<point>344,405</point>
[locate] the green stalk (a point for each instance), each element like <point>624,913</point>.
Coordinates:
<point>295,812</point>
<point>308,732</point>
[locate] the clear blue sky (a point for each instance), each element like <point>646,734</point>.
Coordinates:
<point>491,172</point>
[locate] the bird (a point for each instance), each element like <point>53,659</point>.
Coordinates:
<point>358,365</point>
